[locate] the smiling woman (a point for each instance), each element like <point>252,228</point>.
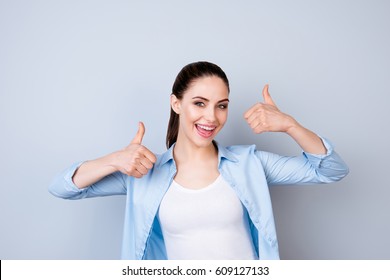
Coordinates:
<point>202,82</point>
<point>200,200</point>
<point>202,109</point>
<point>203,102</point>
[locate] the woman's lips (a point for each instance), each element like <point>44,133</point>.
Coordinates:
<point>205,130</point>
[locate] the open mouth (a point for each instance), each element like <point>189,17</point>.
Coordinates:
<point>205,130</point>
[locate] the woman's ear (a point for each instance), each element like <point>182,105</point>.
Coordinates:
<point>175,104</point>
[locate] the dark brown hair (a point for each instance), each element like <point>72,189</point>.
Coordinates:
<point>189,74</point>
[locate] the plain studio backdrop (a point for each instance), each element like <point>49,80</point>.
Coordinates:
<point>77,76</point>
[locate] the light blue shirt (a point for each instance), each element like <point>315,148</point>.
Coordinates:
<point>248,171</point>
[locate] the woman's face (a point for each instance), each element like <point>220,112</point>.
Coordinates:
<point>203,110</point>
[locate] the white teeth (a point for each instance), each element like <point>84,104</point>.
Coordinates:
<point>206,127</point>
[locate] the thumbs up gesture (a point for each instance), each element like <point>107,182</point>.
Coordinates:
<point>266,117</point>
<point>135,159</point>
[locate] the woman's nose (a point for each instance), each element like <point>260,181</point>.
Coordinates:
<point>210,114</point>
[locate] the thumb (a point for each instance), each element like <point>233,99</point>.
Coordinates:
<point>267,96</point>
<point>140,134</point>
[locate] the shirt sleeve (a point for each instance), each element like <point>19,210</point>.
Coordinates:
<point>62,185</point>
<point>304,169</point>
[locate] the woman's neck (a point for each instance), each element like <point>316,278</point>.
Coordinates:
<point>185,152</point>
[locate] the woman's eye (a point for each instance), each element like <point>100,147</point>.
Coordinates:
<point>222,106</point>
<point>199,104</point>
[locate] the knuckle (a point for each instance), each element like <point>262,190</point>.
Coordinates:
<point>141,148</point>
<point>129,169</point>
<point>147,164</point>
<point>144,172</point>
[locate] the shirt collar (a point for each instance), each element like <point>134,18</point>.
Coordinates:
<point>167,156</point>
<point>223,153</point>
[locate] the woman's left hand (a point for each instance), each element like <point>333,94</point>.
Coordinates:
<point>266,117</point>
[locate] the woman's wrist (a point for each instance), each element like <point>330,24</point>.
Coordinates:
<point>306,139</point>
<point>293,127</point>
<point>111,161</point>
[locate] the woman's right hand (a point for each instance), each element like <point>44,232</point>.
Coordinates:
<point>134,160</point>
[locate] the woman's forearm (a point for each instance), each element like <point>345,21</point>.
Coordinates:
<point>306,139</point>
<point>92,171</point>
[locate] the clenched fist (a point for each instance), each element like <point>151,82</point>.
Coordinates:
<point>266,117</point>
<point>135,159</point>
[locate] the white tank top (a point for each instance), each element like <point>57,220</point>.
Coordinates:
<point>209,223</point>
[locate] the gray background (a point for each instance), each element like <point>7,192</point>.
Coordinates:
<point>77,76</point>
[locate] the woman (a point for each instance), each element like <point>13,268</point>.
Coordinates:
<point>200,200</point>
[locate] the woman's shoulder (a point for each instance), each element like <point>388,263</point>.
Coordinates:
<point>240,148</point>
<point>164,157</point>
<point>237,151</point>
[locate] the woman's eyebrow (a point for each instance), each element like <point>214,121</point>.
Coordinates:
<point>205,99</point>
<point>200,97</point>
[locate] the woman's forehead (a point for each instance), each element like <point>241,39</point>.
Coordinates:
<point>208,87</point>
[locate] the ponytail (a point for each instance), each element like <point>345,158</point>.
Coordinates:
<point>173,129</point>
